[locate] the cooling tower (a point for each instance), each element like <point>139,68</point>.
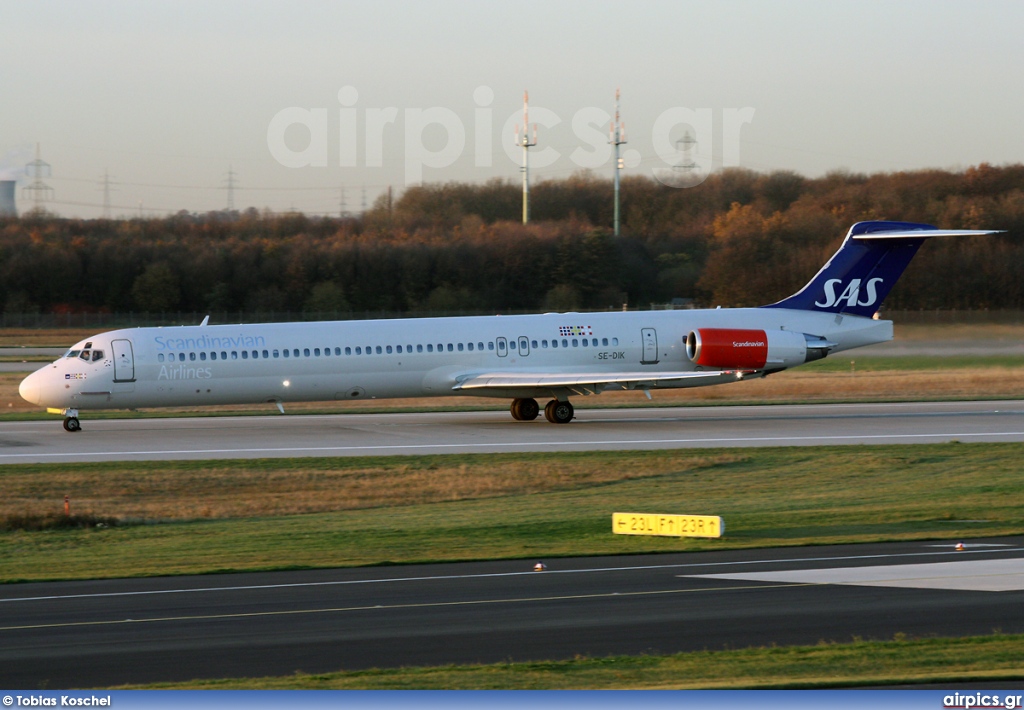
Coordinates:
<point>7,208</point>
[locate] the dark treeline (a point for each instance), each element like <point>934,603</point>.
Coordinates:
<point>739,238</point>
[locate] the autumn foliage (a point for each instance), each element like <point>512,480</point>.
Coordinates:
<point>740,238</point>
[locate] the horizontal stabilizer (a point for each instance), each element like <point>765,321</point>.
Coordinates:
<point>929,233</point>
<point>521,380</point>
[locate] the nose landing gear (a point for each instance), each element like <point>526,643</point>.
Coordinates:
<point>71,422</point>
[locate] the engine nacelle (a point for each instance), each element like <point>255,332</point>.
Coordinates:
<point>741,349</point>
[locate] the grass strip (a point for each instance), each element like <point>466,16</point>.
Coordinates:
<point>196,517</point>
<point>864,663</point>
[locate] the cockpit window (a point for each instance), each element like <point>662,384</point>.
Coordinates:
<point>86,354</point>
<point>97,355</point>
<point>72,353</point>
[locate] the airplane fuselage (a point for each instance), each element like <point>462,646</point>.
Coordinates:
<point>422,357</point>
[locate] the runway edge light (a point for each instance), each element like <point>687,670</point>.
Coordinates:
<point>665,525</point>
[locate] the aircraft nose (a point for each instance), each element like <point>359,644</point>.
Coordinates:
<point>31,388</point>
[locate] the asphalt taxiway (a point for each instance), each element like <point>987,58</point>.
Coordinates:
<point>489,432</point>
<point>82,634</point>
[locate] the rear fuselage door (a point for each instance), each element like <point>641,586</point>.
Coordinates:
<point>502,347</point>
<point>649,338</point>
<point>524,346</point>
<point>124,361</point>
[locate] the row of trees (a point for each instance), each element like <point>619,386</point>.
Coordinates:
<point>740,238</point>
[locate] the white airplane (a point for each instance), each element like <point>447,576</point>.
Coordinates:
<point>550,356</point>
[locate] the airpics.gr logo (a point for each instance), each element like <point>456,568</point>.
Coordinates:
<point>851,294</point>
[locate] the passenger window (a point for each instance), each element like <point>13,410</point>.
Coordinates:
<point>430,347</point>
<point>295,352</point>
<point>470,346</point>
<point>533,344</point>
<point>490,345</point>
<point>255,354</point>
<point>305,352</point>
<point>543,343</point>
<point>316,352</point>
<point>379,350</point>
<point>574,343</point>
<point>359,350</point>
<point>265,354</point>
<point>554,343</point>
<point>408,348</point>
<point>348,350</point>
<point>286,352</point>
<point>181,357</point>
<point>337,351</point>
<point>565,343</point>
<point>604,341</point>
<point>160,357</point>
<point>234,354</point>
<point>461,347</point>
<point>223,355</point>
<point>585,342</point>
<point>277,354</point>
<point>202,356</point>
<point>192,357</point>
<point>213,355</point>
<point>390,350</point>
<point>398,349</point>
<point>450,348</point>
<point>245,354</point>
<point>615,341</point>
<point>419,348</point>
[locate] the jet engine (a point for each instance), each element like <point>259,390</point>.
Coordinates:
<point>742,349</point>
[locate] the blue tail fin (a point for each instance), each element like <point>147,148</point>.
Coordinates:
<point>861,274</point>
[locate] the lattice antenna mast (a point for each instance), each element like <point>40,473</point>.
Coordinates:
<point>617,137</point>
<point>38,191</point>
<point>523,139</point>
<point>230,183</point>
<point>107,186</point>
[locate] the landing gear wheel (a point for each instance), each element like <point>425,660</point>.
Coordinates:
<point>72,424</point>
<point>525,410</point>
<point>559,412</point>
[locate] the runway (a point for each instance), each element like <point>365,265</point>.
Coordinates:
<point>82,634</point>
<point>488,432</point>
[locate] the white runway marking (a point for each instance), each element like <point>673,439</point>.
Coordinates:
<point>963,575</point>
<point>482,575</point>
<point>534,445</point>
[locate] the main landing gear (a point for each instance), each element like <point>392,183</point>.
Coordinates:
<point>525,410</point>
<point>556,412</point>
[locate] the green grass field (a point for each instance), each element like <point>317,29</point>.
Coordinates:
<point>201,517</point>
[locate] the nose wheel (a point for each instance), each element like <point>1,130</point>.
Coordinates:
<point>72,424</point>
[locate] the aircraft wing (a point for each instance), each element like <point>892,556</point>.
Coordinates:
<point>519,380</point>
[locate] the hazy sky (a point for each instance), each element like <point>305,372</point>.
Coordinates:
<point>167,96</point>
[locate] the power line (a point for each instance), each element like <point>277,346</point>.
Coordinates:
<point>106,184</point>
<point>38,191</point>
<point>230,180</point>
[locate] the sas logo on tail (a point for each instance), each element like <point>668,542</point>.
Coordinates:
<point>850,294</point>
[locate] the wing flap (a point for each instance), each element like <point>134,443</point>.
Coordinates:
<point>519,380</point>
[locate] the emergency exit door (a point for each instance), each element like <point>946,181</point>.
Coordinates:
<point>649,339</point>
